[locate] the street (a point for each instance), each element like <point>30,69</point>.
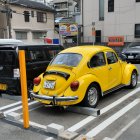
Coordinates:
<point>119,119</point>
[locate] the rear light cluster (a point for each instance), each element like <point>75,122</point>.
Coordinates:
<point>74,85</point>
<point>37,81</point>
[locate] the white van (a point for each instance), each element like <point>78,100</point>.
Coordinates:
<point>10,41</point>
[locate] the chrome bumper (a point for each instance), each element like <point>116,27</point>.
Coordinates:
<point>54,99</point>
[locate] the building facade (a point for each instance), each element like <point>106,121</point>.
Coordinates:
<point>111,18</point>
<point>65,8</point>
<point>30,21</point>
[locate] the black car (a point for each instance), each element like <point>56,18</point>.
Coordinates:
<point>37,59</point>
<point>132,52</point>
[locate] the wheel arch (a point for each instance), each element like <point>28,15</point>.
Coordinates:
<point>97,84</point>
<point>126,79</point>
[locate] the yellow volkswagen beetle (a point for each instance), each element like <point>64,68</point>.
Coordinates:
<point>83,74</point>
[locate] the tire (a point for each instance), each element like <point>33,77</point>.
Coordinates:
<point>134,80</point>
<point>92,96</point>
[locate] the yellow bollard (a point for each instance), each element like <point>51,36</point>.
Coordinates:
<point>23,81</point>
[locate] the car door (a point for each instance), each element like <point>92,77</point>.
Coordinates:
<point>99,69</point>
<point>114,70</point>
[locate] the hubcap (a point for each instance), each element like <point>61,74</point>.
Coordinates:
<point>92,96</point>
<point>134,79</point>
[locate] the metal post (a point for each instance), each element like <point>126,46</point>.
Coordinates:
<point>93,32</point>
<point>23,80</point>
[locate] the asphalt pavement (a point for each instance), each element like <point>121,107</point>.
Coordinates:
<point>119,119</point>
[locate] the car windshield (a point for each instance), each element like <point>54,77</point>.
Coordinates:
<point>68,59</point>
<point>134,45</point>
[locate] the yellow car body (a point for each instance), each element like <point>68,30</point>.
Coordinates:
<point>65,84</point>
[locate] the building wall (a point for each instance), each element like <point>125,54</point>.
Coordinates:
<point>90,15</point>
<point>18,24</point>
<point>120,22</point>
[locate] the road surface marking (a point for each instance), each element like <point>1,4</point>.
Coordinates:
<point>126,128</point>
<point>10,105</point>
<point>111,119</point>
<point>80,124</point>
<point>19,107</point>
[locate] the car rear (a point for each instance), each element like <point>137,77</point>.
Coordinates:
<point>59,76</point>
<point>9,72</point>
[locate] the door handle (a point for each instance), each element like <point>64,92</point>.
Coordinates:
<point>110,68</point>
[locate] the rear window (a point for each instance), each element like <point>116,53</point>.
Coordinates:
<point>7,58</point>
<point>35,55</point>
<point>69,59</point>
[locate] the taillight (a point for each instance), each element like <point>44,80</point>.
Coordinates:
<point>74,85</point>
<point>37,81</point>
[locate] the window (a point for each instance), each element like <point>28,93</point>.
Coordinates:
<point>36,55</point>
<point>69,59</point>
<point>137,0</point>
<point>26,16</point>
<point>32,13</point>
<point>21,35</point>
<point>38,35</point>
<point>70,3</point>
<point>111,58</point>
<point>137,30</point>
<point>101,10</point>
<point>41,17</point>
<point>97,60</point>
<point>7,58</point>
<point>110,5</point>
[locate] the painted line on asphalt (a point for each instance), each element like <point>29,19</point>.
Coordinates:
<point>89,119</point>
<point>10,105</point>
<point>19,107</point>
<point>35,124</point>
<point>111,119</point>
<point>126,128</point>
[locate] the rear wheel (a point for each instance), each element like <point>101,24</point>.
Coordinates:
<point>92,96</point>
<point>134,80</point>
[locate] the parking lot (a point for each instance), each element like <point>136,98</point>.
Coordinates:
<point>119,119</point>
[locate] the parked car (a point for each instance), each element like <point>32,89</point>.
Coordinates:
<point>37,59</point>
<point>10,42</point>
<point>83,74</point>
<point>132,52</point>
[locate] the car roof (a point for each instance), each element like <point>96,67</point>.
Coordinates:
<point>10,41</point>
<point>85,50</point>
<point>26,47</point>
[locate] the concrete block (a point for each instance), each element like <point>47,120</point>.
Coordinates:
<point>66,135</point>
<point>83,137</point>
<point>13,116</point>
<point>50,138</point>
<point>84,110</point>
<point>106,138</point>
<point>55,128</point>
<point>1,115</point>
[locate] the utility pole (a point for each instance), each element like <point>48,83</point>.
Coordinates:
<point>8,18</point>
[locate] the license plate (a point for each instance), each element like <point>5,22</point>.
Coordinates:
<point>3,87</point>
<point>49,84</point>
<point>130,57</point>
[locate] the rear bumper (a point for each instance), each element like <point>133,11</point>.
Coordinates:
<point>13,84</point>
<point>53,99</point>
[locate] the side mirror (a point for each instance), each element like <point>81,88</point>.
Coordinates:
<point>122,57</point>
